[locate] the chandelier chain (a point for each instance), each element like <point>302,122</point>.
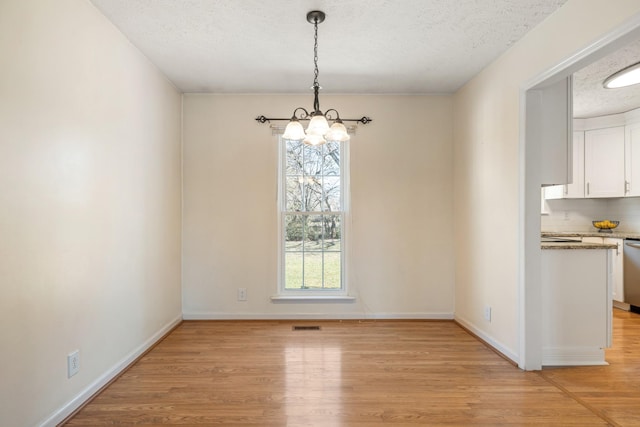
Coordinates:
<point>315,54</point>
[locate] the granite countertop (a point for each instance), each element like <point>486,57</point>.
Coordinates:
<point>613,235</point>
<point>576,245</point>
<point>580,245</point>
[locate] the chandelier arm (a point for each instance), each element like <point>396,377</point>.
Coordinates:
<point>304,115</point>
<point>262,119</point>
<point>329,116</point>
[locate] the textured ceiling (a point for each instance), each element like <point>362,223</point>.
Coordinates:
<point>590,99</point>
<point>382,46</point>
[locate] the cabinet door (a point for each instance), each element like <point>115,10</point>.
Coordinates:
<point>632,160</point>
<point>549,127</point>
<point>604,162</point>
<point>618,269</point>
<point>575,190</point>
<point>555,192</point>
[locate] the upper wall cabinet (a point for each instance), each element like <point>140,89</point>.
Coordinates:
<point>604,162</point>
<point>632,160</point>
<point>606,158</point>
<point>574,190</point>
<point>549,125</point>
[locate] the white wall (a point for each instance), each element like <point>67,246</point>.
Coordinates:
<point>400,259</point>
<point>486,159</point>
<point>89,204</point>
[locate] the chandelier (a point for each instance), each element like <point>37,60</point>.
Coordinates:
<point>318,131</point>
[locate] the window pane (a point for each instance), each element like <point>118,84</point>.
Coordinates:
<point>313,270</point>
<point>313,193</point>
<point>312,160</point>
<point>332,270</point>
<point>331,158</point>
<point>332,233</point>
<point>294,193</point>
<point>294,232</point>
<point>331,194</point>
<point>293,270</point>
<point>294,157</point>
<point>313,233</point>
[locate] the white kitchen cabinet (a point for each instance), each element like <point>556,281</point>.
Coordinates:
<point>617,270</point>
<point>574,190</point>
<point>553,192</point>
<point>604,162</point>
<point>549,126</point>
<point>632,160</point>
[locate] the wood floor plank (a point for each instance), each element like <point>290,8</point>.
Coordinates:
<point>614,390</point>
<point>358,373</point>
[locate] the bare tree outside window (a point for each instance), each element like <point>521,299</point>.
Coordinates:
<point>312,216</point>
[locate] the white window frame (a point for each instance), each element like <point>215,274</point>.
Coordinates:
<point>313,294</point>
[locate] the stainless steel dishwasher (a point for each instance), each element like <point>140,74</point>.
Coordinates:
<point>632,273</point>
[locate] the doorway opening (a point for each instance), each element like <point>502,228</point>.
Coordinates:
<point>531,180</point>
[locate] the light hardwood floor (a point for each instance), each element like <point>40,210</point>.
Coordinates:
<point>361,373</point>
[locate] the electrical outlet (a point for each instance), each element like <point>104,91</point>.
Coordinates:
<point>73,363</point>
<point>487,313</point>
<point>242,294</point>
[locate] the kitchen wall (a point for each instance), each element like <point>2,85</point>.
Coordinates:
<point>577,214</point>
<point>89,205</point>
<point>400,252</point>
<point>488,167</point>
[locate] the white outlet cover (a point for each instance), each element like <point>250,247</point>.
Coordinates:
<point>487,314</point>
<point>73,363</point>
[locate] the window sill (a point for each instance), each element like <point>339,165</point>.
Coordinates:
<point>312,298</point>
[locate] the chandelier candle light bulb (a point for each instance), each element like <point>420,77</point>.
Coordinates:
<point>318,131</point>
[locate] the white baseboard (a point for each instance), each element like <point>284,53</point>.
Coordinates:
<point>573,356</point>
<point>59,415</point>
<point>621,305</point>
<point>507,352</point>
<point>314,316</point>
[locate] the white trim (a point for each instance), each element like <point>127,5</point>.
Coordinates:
<point>573,356</point>
<point>609,42</point>
<point>67,409</point>
<point>313,298</point>
<point>621,305</point>
<point>507,352</point>
<point>522,230</point>
<point>316,316</point>
<point>612,120</point>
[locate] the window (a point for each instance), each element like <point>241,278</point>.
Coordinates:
<point>312,208</point>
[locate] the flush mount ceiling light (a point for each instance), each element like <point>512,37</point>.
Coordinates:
<point>626,77</point>
<point>318,131</point>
